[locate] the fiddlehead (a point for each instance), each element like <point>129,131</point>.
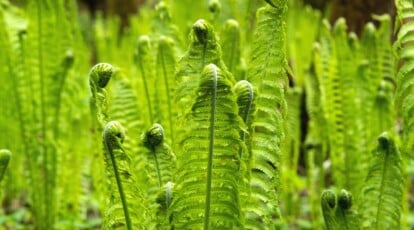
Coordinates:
<point>99,76</point>
<point>125,194</point>
<point>5,156</point>
<point>162,159</point>
<point>204,49</point>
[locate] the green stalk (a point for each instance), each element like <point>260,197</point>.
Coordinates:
<point>210,150</point>
<point>143,44</point>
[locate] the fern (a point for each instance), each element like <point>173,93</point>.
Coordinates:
<point>145,65</point>
<point>405,73</point>
<point>165,68</point>
<point>382,195</point>
<point>204,49</point>
<point>266,73</point>
<point>99,77</point>
<point>124,194</point>
<point>161,157</point>
<point>337,211</point>
<point>206,188</point>
<point>5,156</point>
<point>230,43</point>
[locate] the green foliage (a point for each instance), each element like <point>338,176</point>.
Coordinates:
<point>208,173</point>
<point>384,187</point>
<point>5,156</point>
<point>405,72</point>
<point>338,212</point>
<point>266,73</point>
<point>243,129</point>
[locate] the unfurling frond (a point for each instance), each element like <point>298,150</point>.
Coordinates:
<point>5,156</point>
<point>382,196</point>
<point>206,191</point>
<point>99,77</point>
<point>161,159</point>
<point>337,211</point>
<point>125,198</point>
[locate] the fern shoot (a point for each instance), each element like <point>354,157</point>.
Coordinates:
<point>206,191</point>
<point>384,186</point>
<point>5,156</point>
<point>204,49</point>
<point>99,77</point>
<point>162,160</point>
<point>126,193</point>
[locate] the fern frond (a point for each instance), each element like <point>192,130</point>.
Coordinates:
<point>204,49</point>
<point>230,43</point>
<point>337,211</point>
<point>162,162</point>
<point>405,75</point>
<point>328,204</point>
<point>124,194</point>
<point>162,24</point>
<point>267,74</point>
<point>146,66</point>
<point>166,68</point>
<point>382,196</point>
<point>99,76</point>
<point>206,191</point>
<point>5,156</point>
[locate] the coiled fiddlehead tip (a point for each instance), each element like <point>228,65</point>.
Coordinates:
<point>244,89</point>
<point>231,24</point>
<point>69,58</point>
<point>165,41</point>
<point>201,30</point>
<point>328,199</point>
<point>5,156</point>
<point>153,137</point>
<point>101,73</point>
<point>143,44</point>
<point>214,6</point>
<point>340,26</point>
<point>345,200</point>
<point>114,131</point>
<point>384,141</point>
<point>165,196</point>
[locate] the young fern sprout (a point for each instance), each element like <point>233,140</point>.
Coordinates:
<point>113,137</point>
<point>99,76</point>
<point>151,139</point>
<point>328,203</point>
<point>245,97</point>
<point>5,156</point>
